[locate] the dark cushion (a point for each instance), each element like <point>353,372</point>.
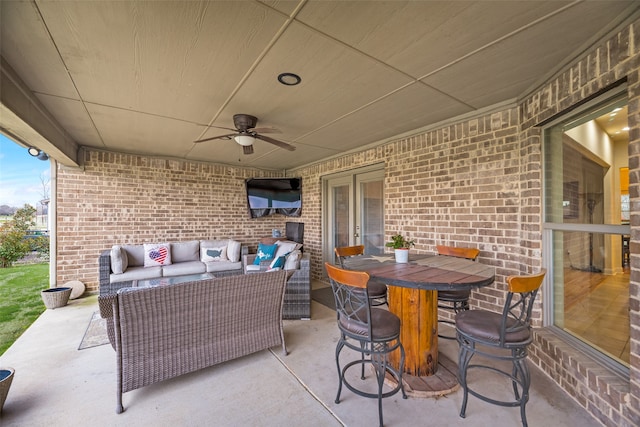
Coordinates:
<point>385,325</point>
<point>485,326</point>
<point>454,296</point>
<point>377,289</point>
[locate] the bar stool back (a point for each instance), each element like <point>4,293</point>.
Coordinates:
<point>455,301</point>
<point>377,290</point>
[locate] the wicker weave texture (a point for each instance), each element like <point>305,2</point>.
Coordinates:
<point>55,297</point>
<point>167,331</point>
<point>6,378</point>
<point>297,296</point>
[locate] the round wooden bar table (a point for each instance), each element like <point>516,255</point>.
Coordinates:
<point>413,296</point>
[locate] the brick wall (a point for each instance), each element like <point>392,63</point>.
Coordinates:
<point>476,182</point>
<point>122,198</point>
<point>613,400</point>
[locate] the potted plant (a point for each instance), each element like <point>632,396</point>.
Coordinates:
<point>401,246</point>
<point>6,377</point>
<point>55,297</point>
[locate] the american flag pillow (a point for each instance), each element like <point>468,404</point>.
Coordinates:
<point>156,254</point>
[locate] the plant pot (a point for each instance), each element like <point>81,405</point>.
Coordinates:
<point>6,377</point>
<point>55,297</point>
<point>402,256</point>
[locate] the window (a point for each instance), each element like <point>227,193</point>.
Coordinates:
<point>586,228</point>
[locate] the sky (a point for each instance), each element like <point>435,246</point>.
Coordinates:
<point>21,175</point>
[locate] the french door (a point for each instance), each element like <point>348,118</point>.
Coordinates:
<point>355,211</point>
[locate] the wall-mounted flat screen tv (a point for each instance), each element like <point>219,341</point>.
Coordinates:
<point>268,196</point>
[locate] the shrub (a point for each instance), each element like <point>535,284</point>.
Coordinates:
<point>13,245</point>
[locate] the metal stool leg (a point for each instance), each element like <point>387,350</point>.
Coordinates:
<point>381,369</point>
<point>523,375</point>
<point>362,346</point>
<point>463,363</point>
<point>340,379</point>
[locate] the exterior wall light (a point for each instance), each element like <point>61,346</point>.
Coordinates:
<point>38,154</point>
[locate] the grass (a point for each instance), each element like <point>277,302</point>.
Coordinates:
<point>20,301</point>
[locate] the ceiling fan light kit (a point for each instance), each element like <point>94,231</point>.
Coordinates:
<point>244,139</point>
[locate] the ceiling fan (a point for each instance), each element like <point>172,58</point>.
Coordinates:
<point>246,133</point>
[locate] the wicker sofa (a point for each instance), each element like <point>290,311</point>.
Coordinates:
<point>192,325</point>
<point>297,304</point>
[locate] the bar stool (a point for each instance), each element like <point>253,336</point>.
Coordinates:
<point>502,337</point>
<point>372,332</point>
<point>455,301</point>
<point>377,290</point>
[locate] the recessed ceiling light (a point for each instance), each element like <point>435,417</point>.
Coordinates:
<point>626,128</point>
<point>289,79</point>
<point>615,110</point>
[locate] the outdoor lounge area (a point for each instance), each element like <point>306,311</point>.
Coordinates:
<point>508,127</point>
<point>57,384</point>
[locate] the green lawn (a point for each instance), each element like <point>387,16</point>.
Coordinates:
<point>20,301</point>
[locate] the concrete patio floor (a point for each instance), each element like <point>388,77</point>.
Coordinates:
<point>56,384</point>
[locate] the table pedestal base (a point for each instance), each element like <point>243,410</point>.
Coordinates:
<point>443,382</point>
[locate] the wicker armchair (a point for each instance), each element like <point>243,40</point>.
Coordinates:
<point>297,295</point>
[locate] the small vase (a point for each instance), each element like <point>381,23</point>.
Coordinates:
<point>402,256</point>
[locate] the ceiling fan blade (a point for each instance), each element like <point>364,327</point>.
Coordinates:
<point>266,130</point>
<point>228,136</point>
<point>276,142</point>
<point>220,127</point>
<point>247,149</point>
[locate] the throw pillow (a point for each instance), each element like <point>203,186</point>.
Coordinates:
<point>285,247</point>
<point>233,251</point>
<point>185,251</point>
<point>278,262</point>
<point>119,259</point>
<point>212,244</point>
<point>293,260</point>
<point>265,253</point>
<point>156,254</point>
<point>213,254</point>
<point>135,255</point>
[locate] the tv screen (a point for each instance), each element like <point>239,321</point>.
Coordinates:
<point>268,196</point>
